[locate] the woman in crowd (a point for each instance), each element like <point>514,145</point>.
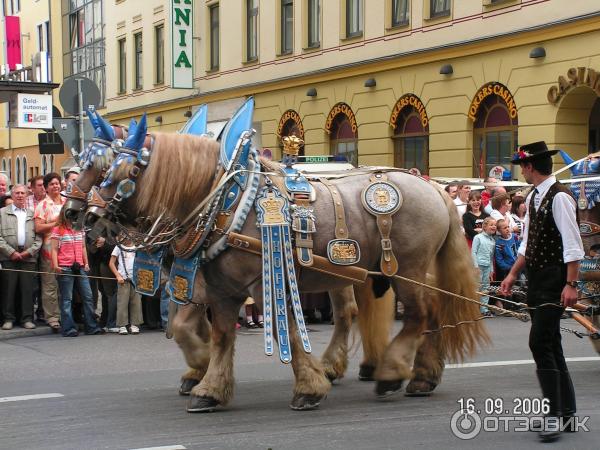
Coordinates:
<point>501,210</point>
<point>474,217</point>
<point>517,212</point>
<point>70,262</point>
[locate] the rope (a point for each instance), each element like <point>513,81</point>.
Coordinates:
<point>58,274</point>
<point>523,317</point>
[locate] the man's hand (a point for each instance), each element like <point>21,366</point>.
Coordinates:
<point>120,279</point>
<point>15,256</point>
<point>507,284</point>
<point>568,297</point>
<point>100,242</point>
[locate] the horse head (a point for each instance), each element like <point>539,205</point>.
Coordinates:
<point>104,203</point>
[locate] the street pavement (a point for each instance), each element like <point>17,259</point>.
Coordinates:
<point>120,392</point>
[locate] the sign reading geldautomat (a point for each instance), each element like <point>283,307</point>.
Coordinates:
<point>488,89</point>
<point>182,44</point>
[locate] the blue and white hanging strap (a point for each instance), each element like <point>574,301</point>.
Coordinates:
<point>274,221</point>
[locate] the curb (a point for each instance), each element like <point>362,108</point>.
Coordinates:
<point>22,332</point>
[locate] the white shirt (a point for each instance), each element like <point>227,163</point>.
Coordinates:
<point>124,262</point>
<point>564,211</point>
<point>461,206</point>
<point>21,222</point>
<point>497,215</point>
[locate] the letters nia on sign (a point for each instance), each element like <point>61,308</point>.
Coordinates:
<point>182,44</point>
<point>31,111</point>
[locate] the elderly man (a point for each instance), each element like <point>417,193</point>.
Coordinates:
<point>19,246</point>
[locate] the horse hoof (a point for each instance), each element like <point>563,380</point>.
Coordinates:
<point>306,402</point>
<point>419,388</point>
<point>366,372</point>
<point>202,404</point>
<point>387,388</point>
<point>186,385</point>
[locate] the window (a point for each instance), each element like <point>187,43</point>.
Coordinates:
<point>84,53</point>
<point>122,65</point>
<point>439,8</point>
<point>24,179</point>
<point>314,23</point>
<point>287,26</point>
<point>353,18</point>
<point>14,6</point>
<point>411,139</point>
<point>251,30</point>
<point>18,169</point>
<point>159,41</point>
<point>137,44</point>
<point>214,37</point>
<point>399,12</point>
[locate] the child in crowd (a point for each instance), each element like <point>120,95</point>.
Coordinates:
<point>507,244</point>
<point>483,258</point>
<point>129,302</point>
<point>70,262</point>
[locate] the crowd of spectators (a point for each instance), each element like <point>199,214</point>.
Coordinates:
<point>493,221</point>
<point>45,265</point>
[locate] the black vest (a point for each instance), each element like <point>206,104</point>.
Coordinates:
<point>544,242</point>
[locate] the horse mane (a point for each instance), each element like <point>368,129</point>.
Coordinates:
<point>180,174</point>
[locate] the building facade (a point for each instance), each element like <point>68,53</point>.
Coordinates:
<point>39,22</point>
<point>450,87</point>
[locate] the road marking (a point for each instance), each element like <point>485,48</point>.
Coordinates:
<point>516,362</point>
<point>21,398</point>
<point>166,447</point>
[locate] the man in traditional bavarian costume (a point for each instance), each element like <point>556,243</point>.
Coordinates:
<point>550,251</point>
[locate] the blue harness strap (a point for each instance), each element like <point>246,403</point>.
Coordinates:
<point>146,271</point>
<point>278,265</point>
<point>181,278</point>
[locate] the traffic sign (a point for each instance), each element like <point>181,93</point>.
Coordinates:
<point>69,99</point>
<point>68,130</point>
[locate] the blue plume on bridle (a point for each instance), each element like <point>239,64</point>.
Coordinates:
<point>132,127</point>
<point>136,139</point>
<point>103,129</point>
<point>586,166</point>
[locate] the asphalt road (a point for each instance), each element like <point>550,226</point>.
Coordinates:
<point>120,392</point>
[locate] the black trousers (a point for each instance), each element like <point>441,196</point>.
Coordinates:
<point>545,286</point>
<point>10,281</point>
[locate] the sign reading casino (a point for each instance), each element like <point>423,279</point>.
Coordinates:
<point>341,108</point>
<point>293,116</point>
<point>409,100</point>
<point>488,89</point>
<point>576,76</point>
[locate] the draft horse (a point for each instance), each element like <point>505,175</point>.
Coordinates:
<point>425,236</point>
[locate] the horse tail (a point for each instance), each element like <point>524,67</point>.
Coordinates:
<point>376,303</point>
<point>454,273</point>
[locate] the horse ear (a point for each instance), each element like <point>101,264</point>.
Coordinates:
<point>132,127</point>
<point>136,140</point>
<point>105,129</point>
<point>575,170</point>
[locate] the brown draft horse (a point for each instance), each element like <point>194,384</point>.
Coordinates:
<point>426,236</point>
<point>191,323</point>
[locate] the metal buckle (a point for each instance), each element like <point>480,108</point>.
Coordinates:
<point>386,244</point>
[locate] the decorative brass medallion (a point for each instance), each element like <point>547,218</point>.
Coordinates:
<point>180,288</point>
<point>382,197</point>
<point>145,280</point>
<point>343,252</point>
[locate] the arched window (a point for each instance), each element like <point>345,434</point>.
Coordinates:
<point>51,163</point>
<point>44,165</point>
<point>291,124</point>
<point>594,128</point>
<point>343,131</point>
<point>495,130</point>
<point>10,169</point>
<point>18,169</point>
<point>25,169</point>
<point>4,165</point>
<point>411,134</point>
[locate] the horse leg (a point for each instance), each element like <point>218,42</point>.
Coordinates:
<point>399,357</point>
<point>216,387</point>
<point>191,331</point>
<point>429,365</point>
<point>311,384</point>
<point>335,358</point>
<point>376,301</point>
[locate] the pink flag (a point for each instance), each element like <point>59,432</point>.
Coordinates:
<point>13,41</point>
